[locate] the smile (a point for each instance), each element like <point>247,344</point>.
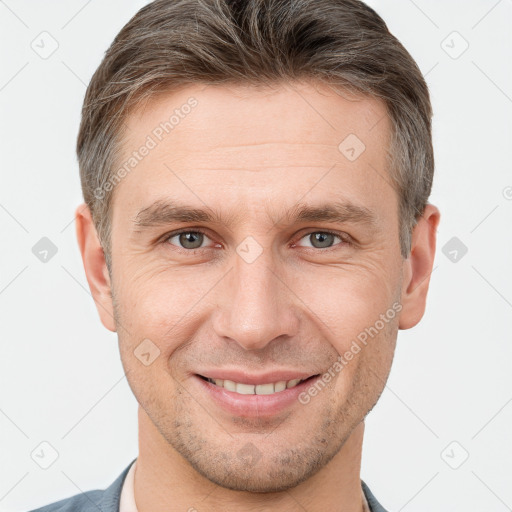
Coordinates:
<point>254,389</point>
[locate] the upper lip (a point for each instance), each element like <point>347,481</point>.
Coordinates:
<point>255,378</point>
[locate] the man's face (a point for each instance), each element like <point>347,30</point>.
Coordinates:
<point>258,293</point>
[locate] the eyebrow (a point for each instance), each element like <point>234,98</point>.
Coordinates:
<point>332,212</point>
<point>166,212</point>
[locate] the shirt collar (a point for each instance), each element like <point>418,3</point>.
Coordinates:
<point>127,503</point>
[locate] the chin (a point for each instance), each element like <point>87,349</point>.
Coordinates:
<point>264,480</point>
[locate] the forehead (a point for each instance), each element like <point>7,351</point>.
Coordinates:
<point>264,139</point>
<point>203,117</point>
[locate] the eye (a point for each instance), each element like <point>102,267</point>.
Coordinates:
<point>322,239</point>
<point>193,239</point>
<point>187,239</point>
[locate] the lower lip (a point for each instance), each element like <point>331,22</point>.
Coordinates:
<point>250,406</point>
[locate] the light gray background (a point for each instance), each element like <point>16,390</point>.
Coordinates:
<point>449,393</point>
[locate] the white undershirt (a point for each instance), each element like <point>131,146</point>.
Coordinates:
<point>127,503</point>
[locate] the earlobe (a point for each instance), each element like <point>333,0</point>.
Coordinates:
<point>418,268</point>
<point>95,266</point>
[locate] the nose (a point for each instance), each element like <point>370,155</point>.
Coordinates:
<point>256,305</point>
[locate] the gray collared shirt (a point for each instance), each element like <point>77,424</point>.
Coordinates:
<point>108,500</point>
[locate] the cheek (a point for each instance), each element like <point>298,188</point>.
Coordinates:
<point>346,302</point>
<point>153,300</point>
<point>161,312</point>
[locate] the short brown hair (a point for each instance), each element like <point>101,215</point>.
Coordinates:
<point>171,43</point>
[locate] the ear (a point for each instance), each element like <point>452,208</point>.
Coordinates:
<point>418,267</point>
<point>94,265</point>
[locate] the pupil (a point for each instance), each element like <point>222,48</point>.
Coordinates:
<point>321,238</point>
<point>188,240</point>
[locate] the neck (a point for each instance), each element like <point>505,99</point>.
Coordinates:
<point>164,480</point>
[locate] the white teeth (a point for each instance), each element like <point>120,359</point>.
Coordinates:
<point>244,389</point>
<point>229,385</point>
<point>258,389</point>
<point>292,383</point>
<point>265,389</point>
<point>280,386</point>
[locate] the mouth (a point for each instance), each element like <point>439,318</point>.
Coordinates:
<point>263,395</point>
<point>269,388</point>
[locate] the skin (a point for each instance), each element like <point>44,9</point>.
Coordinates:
<point>253,154</point>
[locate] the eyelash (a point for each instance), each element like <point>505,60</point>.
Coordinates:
<point>345,239</point>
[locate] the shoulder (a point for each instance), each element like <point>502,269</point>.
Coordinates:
<point>106,500</point>
<point>80,502</point>
<point>374,505</point>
